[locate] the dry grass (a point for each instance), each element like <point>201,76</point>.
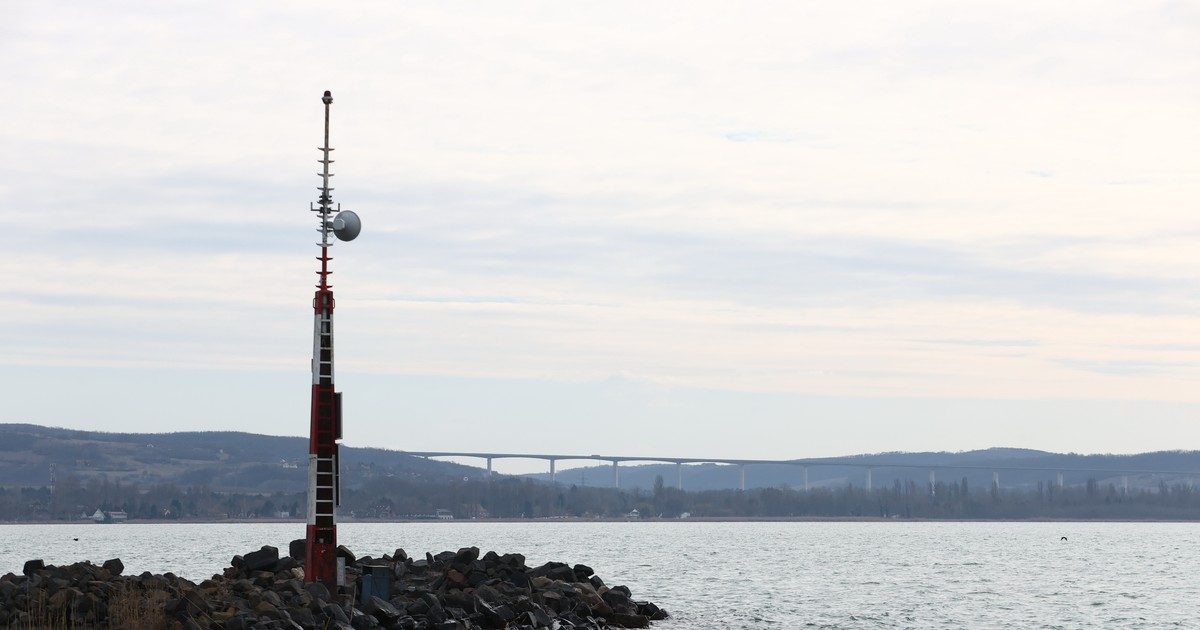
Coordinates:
<point>130,607</point>
<point>134,607</point>
<point>39,614</point>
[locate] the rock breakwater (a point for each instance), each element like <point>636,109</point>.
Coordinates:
<point>260,590</point>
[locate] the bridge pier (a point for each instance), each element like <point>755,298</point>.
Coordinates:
<point>679,475</point>
<point>616,475</point>
<point>868,478</point>
<point>552,462</point>
<point>1125,484</point>
<point>996,480</point>
<point>932,483</point>
<point>804,470</point>
<point>742,470</point>
<point>1060,479</point>
<point>489,467</point>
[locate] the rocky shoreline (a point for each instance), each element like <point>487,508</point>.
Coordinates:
<point>262,590</point>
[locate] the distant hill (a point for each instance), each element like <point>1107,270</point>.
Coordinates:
<point>225,461</point>
<point>231,461</point>
<point>716,477</point>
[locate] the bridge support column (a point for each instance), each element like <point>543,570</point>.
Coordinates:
<point>679,475</point>
<point>996,480</point>
<point>1060,479</point>
<point>932,483</point>
<point>616,475</point>
<point>552,472</point>
<point>742,472</point>
<point>1125,484</point>
<point>868,478</point>
<point>804,471</point>
<point>489,462</point>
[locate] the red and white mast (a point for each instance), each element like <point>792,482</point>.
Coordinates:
<point>325,426</point>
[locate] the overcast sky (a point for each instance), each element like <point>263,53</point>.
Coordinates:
<point>722,229</point>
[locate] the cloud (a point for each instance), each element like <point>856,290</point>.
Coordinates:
<point>899,201</point>
<point>1131,368</point>
<point>1001,343</point>
<point>759,136</point>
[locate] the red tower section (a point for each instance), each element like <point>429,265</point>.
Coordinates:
<point>325,427</point>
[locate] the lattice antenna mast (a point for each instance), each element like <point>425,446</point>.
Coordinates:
<point>325,200</point>
<point>325,420</point>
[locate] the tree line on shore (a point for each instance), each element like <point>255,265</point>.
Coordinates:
<point>506,497</point>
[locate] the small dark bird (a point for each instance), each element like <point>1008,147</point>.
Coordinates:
<point>1064,537</point>
<point>75,539</point>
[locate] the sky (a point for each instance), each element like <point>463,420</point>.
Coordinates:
<point>701,229</point>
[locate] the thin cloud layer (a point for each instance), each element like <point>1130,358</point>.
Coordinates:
<point>990,201</point>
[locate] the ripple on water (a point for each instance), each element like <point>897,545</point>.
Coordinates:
<point>755,575</point>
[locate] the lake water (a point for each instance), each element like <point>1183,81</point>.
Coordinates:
<point>756,575</point>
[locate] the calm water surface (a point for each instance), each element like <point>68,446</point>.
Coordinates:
<point>756,575</point>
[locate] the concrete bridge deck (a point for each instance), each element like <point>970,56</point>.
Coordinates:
<point>868,466</point>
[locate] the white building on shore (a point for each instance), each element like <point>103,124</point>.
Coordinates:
<point>116,516</point>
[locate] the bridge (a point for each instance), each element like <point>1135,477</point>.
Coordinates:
<point>803,464</point>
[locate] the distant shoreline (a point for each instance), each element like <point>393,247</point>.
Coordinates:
<point>713,519</point>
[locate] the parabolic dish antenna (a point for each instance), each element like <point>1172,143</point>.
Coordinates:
<point>346,225</point>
